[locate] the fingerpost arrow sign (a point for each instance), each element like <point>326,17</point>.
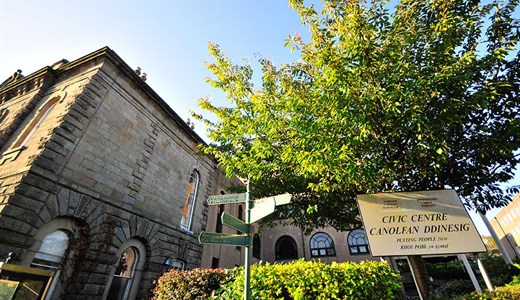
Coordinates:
<point>225,199</point>
<point>224,239</point>
<point>235,223</point>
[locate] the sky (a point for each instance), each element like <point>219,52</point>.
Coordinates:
<point>168,39</point>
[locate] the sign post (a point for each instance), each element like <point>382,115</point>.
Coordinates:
<point>247,259</point>
<point>255,210</point>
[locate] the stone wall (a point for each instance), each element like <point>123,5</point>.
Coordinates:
<point>115,161</point>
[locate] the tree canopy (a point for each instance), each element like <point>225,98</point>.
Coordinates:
<point>420,96</point>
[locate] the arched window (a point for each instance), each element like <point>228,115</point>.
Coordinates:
<point>50,255</point>
<point>285,248</point>
<point>256,246</point>
<point>189,204</point>
<point>322,245</point>
<point>36,122</point>
<point>357,242</point>
<point>178,264</point>
<point>52,250</point>
<point>125,270</point>
<point>125,280</point>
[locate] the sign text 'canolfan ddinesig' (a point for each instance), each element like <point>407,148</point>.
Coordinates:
<point>418,223</point>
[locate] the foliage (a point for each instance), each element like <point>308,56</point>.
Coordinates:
<point>417,97</point>
<point>193,284</point>
<point>455,288</point>
<point>516,278</point>
<point>499,272</point>
<point>500,293</point>
<point>317,280</point>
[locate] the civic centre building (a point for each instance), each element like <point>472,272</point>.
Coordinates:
<point>101,182</point>
<point>103,188</point>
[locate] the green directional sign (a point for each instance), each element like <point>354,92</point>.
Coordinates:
<point>225,199</point>
<point>224,239</point>
<point>235,223</point>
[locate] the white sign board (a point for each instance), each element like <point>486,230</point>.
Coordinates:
<point>418,223</point>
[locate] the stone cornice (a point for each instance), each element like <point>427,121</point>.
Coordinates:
<point>26,84</point>
<point>111,56</point>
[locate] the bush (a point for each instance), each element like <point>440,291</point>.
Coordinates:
<point>196,284</point>
<point>296,280</point>
<point>511,292</point>
<point>499,272</point>
<point>516,278</point>
<point>301,280</point>
<point>456,288</point>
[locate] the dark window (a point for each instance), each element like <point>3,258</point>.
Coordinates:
<point>240,216</point>
<point>214,263</point>
<point>357,242</point>
<point>322,245</point>
<point>218,227</point>
<point>240,213</point>
<point>285,248</point>
<point>256,246</point>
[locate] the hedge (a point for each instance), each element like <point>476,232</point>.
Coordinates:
<point>508,292</point>
<point>300,280</point>
<point>296,280</point>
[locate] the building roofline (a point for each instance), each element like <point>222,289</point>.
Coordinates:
<point>107,53</point>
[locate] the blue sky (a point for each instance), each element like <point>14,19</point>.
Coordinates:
<point>167,39</point>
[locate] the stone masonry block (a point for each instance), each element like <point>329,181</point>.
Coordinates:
<point>33,192</point>
<point>12,219</point>
<point>73,202</point>
<point>52,205</point>
<point>74,122</point>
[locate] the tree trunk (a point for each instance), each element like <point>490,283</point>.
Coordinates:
<point>420,274</point>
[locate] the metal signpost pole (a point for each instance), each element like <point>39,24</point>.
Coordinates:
<point>255,210</point>
<point>247,261</point>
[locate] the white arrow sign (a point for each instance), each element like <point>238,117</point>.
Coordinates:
<point>265,206</point>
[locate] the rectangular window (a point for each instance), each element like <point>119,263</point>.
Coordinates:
<point>214,263</point>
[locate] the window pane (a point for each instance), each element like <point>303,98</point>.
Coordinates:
<point>127,262</point>
<point>178,265</point>
<point>53,247</point>
<point>357,241</point>
<point>189,204</point>
<point>121,281</point>
<point>321,244</point>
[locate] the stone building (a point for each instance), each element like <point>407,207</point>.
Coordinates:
<point>284,243</point>
<point>506,224</point>
<point>100,180</point>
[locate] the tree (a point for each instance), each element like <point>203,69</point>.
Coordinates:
<point>422,96</point>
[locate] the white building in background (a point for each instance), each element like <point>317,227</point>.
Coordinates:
<point>507,226</point>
